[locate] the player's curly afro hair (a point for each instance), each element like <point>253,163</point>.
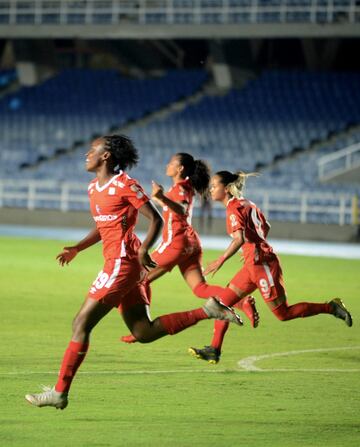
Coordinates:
<point>122,150</point>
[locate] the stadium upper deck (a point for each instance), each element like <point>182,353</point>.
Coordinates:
<point>172,17</point>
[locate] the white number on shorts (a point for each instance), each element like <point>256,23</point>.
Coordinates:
<point>264,286</point>
<point>101,280</point>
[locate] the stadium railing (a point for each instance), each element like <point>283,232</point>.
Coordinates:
<point>99,12</point>
<point>338,162</point>
<point>304,207</point>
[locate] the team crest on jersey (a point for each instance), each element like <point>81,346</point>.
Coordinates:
<point>139,193</point>
<point>181,192</point>
<point>112,191</point>
<point>98,210</point>
<point>233,220</point>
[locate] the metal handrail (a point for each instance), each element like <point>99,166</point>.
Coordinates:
<point>64,196</point>
<point>328,11</point>
<point>345,154</point>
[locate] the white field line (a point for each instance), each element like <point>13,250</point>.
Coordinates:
<point>246,365</point>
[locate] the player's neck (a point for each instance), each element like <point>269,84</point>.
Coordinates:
<point>103,176</point>
<point>177,179</point>
<point>227,200</point>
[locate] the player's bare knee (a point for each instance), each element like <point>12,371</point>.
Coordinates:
<point>281,315</point>
<point>141,335</point>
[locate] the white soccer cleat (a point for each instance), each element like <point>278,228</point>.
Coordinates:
<point>217,310</point>
<point>49,398</point>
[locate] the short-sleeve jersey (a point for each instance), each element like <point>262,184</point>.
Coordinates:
<point>114,208</point>
<point>244,215</point>
<point>177,226</point>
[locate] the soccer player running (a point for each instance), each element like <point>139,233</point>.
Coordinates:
<point>180,245</point>
<point>115,200</point>
<point>247,226</point>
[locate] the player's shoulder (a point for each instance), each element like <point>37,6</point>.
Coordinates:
<point>130,184</point>
<point>184,187</point>
<point>92,184</point>
<point>234,204</point>
<point>238,207</point>
<point>244,204</point>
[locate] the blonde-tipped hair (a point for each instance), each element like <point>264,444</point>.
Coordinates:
<point>236,188</point>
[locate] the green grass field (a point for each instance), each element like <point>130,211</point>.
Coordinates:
<point>157,394</point>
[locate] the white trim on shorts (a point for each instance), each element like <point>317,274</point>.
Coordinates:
<point>268,274</point>
<point>117,266</point>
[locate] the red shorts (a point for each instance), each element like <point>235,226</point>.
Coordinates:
<point>119,284</point>
<point>267,277</point>
<point>187,257</point>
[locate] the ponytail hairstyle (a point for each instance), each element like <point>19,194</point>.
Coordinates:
<point>123,152</point>
<point>197,171</point>
<point>235,182</point>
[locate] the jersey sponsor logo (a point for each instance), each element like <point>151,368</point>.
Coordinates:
<point>105,217</point>
<point>119,184</point>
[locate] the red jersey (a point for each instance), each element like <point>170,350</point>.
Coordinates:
<point>244,215</point>
<point>114,207</point>
<point>177,227</point>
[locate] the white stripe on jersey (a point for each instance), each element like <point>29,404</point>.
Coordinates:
<point>123,250</point>
<point>268,274</point>
<point>190,213</point>
<point>257,223</point>
<point>163,245</point>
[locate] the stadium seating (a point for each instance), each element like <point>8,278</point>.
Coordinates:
<point>73,106</point>
<point>6,78</point>
<point>275,116</point>
<point>301,172</point>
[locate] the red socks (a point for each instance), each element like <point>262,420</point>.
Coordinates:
<point>229,297</point>
<point>73,357</point>
<point>204,290</point>
<point>285,312</point>
<point>177,322</point>
<point>220,328</point>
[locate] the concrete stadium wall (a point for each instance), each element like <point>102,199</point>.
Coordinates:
<point>279,230</point>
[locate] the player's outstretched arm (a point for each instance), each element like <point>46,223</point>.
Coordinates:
<point>155,226</point>
<point>234,247</point>
<point>69,253</point>
<point>157,194</point>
